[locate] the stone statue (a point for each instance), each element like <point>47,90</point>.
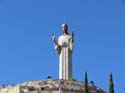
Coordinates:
<point>64,48</point>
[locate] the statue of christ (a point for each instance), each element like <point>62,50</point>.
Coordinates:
<point>64,48</point>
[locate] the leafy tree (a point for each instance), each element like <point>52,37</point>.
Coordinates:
<point>111,86</point>
<point>72,79</point>
<point>86,89</point>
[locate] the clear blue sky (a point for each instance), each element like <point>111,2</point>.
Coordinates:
<point>27,51</point>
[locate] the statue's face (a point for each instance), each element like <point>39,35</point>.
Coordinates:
<point>64,28</point>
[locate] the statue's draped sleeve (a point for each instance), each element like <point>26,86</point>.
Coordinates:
<point>71,44</point>
<point>57,47</point>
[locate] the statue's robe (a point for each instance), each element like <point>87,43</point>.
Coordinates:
<point>64,49</point>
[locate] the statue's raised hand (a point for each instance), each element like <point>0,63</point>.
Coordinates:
<point>53,37</point>
<point>72,34</point>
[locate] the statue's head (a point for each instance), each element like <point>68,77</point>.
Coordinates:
<point>65,28</point>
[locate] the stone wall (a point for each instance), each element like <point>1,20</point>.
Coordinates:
<point>51,86</point>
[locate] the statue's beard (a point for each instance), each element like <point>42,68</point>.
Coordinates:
<point>65,32</point>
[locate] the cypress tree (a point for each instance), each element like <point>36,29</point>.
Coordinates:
<point>111,86</point>
<point>86,90</point>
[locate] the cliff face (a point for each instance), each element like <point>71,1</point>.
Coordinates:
<point>51,86</point>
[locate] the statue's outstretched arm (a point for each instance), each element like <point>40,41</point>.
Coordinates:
<point>72,35</point>
<point>57,47</point>
<point>72,41</point>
